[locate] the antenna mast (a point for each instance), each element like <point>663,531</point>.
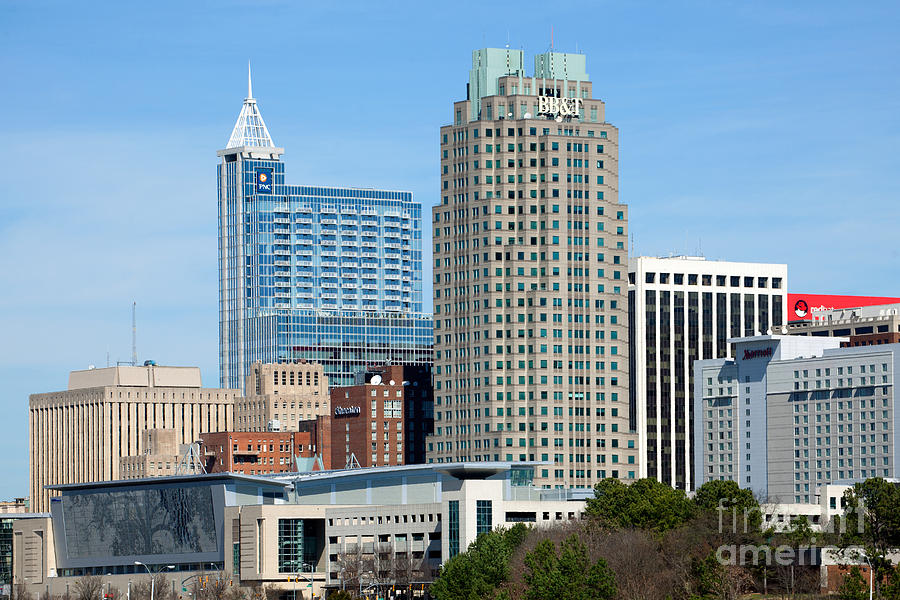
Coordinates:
<point>134,334</point>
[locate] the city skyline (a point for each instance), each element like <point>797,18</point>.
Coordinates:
<point>91,181</point>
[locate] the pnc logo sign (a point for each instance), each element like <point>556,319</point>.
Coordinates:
<point>264,181</point>
<point>564,107</point>
<point>759,353</point>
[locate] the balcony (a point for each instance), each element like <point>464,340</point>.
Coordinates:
<point>280,252</point>
<point>282,263</point>
<point>281,221</point>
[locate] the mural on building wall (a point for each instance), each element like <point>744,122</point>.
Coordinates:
<point>140,522</point>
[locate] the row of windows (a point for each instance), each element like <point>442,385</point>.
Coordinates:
<point>462,135</point>
<point>734,280</point>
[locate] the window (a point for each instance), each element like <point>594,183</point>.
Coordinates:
<point>290,545</point>
<point>453,527</point>
<point>484,515</point>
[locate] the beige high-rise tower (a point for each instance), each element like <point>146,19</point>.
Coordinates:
<point>530,276</point>
<point>80,434</point>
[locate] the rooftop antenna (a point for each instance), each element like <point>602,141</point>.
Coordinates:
<point>551,38</point>
<point>134,334</point>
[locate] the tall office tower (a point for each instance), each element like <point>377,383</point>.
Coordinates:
<point>531,338</point>
<point>332,275</point>
<point>79,435</point>
<point>683,309</point>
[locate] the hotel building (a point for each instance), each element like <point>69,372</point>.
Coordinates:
<point>789,414</point>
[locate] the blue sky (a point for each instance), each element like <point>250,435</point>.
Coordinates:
<point>755,131</point>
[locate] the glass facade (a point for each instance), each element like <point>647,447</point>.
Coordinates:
<point>327,274</point>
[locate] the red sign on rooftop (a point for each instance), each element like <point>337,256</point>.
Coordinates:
<point>806,307</point>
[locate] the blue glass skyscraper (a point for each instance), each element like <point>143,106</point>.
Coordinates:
<point>332,275</point>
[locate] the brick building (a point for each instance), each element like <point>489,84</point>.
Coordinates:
<point>261,453</point>
<point>383,420</point>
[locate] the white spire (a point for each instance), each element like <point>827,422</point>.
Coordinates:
<point>249,82</point>
<point>250,129</point>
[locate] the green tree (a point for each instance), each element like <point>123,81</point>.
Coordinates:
<point>873,523</point>
<point>645,504</point>
<point>800,531</point>
<point>341,595</point>
<point>567,574</point>
<point>726,497</point>
<point>854,586</point>
<point>891,589</point>
<point>479,571</point>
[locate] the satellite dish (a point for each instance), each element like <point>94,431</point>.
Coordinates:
<point>392,382</point>
<point>559,118</point>
<point>509,114</point>
<point>376,379</point>
<point>527,115</point>
<point>784,330</point>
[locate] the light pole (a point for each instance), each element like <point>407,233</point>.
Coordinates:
<point>152,578</point>
<point>871,575</point>
<point>302,571</point>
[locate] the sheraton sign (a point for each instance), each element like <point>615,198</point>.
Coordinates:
<point>347,411</point>
<point>759,353</point>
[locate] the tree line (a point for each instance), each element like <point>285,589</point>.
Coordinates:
<point>647,540</point>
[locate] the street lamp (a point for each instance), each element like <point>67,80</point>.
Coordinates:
<point>303,567</point>
<point>152,578</point>
<point>871,575</point>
